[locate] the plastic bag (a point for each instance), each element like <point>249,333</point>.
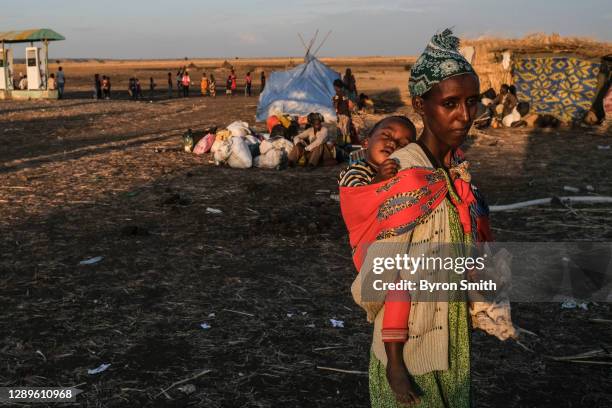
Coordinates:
<point>239,128</point>
<point>240,156</point>
<point>205,144</point>
<point>222,151</point>
<point>271,160</point>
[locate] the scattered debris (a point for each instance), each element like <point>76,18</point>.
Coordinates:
<point>187,389</point>
<point>98,370</point>
<point>339,370</point>
<point>205,326</point>
<point>163,391</point>
<point>337,323</point>
<point>603,147</point>
<point>210,210</point>
<point>562,200</point>
<point>91,261</point>
<point>573,304</point>
<point>571,189</point>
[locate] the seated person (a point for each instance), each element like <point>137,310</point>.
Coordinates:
<point>510,101</point>
<point>387,136</point>
<point>365,104</point>
<point>313,144</point>
<point>52,85</point>
<point>499,99</point>
<point>487,97</point>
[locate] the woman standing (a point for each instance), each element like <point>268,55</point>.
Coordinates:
<point>350,84</point>
<point>185,83</point>
<point>248,82</point>
<point>212,85</point>
<point>429,203</point>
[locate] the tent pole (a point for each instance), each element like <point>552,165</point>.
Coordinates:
<point>4,62</point>
<point>46,64</point>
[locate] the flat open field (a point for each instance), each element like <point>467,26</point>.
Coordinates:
<point>81,178</point>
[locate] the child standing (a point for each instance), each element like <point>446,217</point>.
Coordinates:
<point>228,85</point>
<point>343,113</point>
<point>185,82</point>
<point>152,86</point>
<point>247,88</point>
<point>169,84</point>
<point>204,84</point>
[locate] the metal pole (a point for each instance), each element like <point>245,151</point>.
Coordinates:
<point>46,64</point>
<point>4,62</point>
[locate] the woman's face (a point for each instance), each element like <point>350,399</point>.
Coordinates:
<point>449,108</point>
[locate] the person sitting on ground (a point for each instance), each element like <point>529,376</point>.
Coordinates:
<point>343,113</point>
<point>51,84</point>
<point>487,97</point>
<point>312,144</point>
<point>387,136</point>
<point>365,104</point>
<point>499,99</point>
<point>510,101</point>
<point>23,82</point>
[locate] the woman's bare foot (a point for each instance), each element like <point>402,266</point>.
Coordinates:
<point>400,383</point>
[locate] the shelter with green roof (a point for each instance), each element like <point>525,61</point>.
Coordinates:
<point>37,66</point>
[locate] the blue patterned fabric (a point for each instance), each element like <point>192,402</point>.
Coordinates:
<point>564,87</point>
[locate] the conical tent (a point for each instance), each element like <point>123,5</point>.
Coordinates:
<point>299,91</point>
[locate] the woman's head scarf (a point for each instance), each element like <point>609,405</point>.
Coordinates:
<point>440,60</point>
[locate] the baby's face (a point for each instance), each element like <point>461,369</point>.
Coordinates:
<point>390,136</point>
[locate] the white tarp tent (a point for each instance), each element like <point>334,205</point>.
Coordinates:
<point>299,91</point>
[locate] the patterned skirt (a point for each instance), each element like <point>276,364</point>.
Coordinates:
<point>437,389</point>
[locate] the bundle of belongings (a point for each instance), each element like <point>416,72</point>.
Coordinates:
<point>239,146</point>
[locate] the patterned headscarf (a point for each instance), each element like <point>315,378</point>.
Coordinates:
<point>440,60</point>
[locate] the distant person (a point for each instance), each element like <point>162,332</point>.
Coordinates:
<point>212,86</point>
<point>204,84</point>
<point>234,82</point>
<point>23,82</point>
<point>228,85</point>
<point>179,82</point>
<point>511,101</point>
<point>170,85</point>
<point>97,87</point>
<point>185,82</point>
<point>152,86</point>
<point>105,87</point>
<point>61,82</point>
<point>262,80</point>
<point>132,88</point>
<point>343,112</point>
<point>138,89</point>
<point>312,144</point>
<point>51,84</point>
<point>248,83</point>
<point>350,85</point>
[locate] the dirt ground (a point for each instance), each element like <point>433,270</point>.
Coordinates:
<point>83,178</point>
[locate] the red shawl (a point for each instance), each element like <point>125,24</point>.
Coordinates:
<point>397,205</point>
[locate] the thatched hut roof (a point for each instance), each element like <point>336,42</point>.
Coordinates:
<point>545,44</point>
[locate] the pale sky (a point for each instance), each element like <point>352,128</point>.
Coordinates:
<point>248,28</point>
